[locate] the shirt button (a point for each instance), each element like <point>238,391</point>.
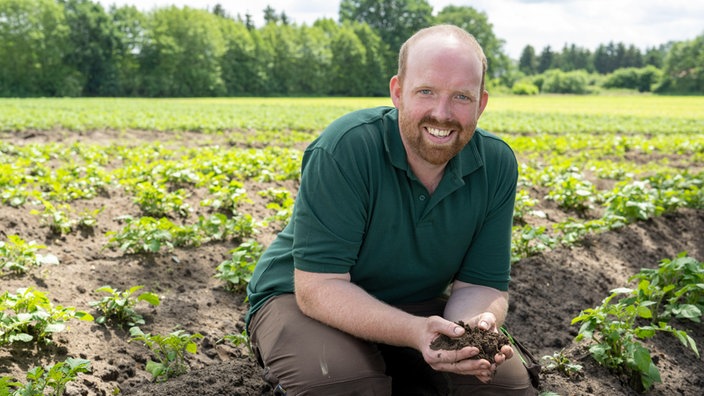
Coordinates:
<point>421,197</point>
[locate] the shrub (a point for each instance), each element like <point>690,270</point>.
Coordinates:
<point>525,88</point>
<point>573,82</point>
<point>643,79</point>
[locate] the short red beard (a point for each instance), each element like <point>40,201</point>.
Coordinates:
<point>434,154</point>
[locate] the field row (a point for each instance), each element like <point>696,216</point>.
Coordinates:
<point>510,114</point>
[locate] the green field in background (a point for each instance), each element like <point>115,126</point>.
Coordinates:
<point>512,114</point>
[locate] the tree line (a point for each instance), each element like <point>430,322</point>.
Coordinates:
<point>79,48</point>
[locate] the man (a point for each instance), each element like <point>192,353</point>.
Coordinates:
<point>395,205</point>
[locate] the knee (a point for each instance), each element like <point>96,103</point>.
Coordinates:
<point>334,375</point>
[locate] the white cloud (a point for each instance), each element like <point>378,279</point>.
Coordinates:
<point>644,23</point>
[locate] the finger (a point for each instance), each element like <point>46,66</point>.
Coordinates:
<point>478,368</point>
<point>499,358</point>
<point>487,321</point>
<point>506,351</point>
<point>485,377</point>
<point>446,327</point>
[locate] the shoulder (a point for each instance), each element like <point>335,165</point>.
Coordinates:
<point>493,152</point>
<point>492,147</point>
<point>491,141</point>
<point>358,127</point>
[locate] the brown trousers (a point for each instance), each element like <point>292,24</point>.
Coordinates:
<point>305,357</point>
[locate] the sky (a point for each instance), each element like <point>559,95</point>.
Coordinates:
<point>585,23</point>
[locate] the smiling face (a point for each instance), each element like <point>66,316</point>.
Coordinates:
<point>439,98</point>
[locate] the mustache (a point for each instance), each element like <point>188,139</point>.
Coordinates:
<point>447,124</point>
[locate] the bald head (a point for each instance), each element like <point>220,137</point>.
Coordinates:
<point>446,32</point>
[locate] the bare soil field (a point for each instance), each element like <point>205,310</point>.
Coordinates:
<point>547,291</point>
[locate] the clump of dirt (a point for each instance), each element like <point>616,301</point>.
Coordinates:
<point>488,342</point>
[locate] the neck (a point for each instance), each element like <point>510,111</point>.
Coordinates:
<point>428,174</point>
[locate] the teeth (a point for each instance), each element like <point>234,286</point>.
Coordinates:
<point>439,132</point>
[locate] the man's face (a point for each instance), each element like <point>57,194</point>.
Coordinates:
<point>439,99</point>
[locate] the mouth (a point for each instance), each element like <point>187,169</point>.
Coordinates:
<point>439,132</point>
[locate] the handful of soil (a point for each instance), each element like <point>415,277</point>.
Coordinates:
<point>488,342</point>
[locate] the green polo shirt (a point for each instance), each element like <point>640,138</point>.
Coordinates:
<point>361,210</point>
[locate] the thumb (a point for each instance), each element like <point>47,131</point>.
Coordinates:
<point>448,328</point>
<point>486,321</point>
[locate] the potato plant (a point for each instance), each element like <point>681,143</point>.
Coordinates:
<point>559,362</point>
<point>18,255</point>
<point>29,316</point>
<point>676,287</point>
<point>617,327</point>
<point>237,270</point>
<point>40,379</point>
<point>281,202</point>
<point>170,351</point>
<point>572,192</point>
<point>57,218</point>
<point>119,306</point>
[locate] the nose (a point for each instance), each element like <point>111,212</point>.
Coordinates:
<point>442,110</point>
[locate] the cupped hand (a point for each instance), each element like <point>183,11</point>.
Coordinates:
<point>461,361</point>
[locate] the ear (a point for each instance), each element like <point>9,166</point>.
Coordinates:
<point>483,101</point>
<point>395,90</point>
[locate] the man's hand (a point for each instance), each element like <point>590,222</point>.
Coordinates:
<point>460,361</point>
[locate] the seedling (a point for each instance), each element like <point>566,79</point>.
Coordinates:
<point>58,219</point>
<point>676,287</point>
<point>155,201</point>
<point>34,317</point>
<point>15,196</point>
<point>529,240</point>
<point>39,379</point>
<point>18,256</point>
<point>240,339</point>
<point>170,352</point>
<point>612,328</point>
<point>522,206</point>
<point>281,202</point>
<point>634,201</point>
<point>118,307</point>
<point>226,197</point>
<point>559,362</point>
<point>145,235</point>
<point>89,219</point>
<point>237,271</point>
<point>571,191</point>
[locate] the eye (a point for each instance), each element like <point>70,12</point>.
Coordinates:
<point>463,97</point>
<point>425,92</point>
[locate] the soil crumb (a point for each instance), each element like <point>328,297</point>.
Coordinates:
<point>488,342</point>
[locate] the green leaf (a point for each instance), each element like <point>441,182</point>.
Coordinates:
<point>105,289</point>
<point>642,358</point>
<point>622,290</point>
<point>688,311</point>
<point>23,337</point>
<point>55,327</point>
<point>149,297</point>
<point>78,365</point>
<point>85,316</point>
<point>155,369</point>
<point>644,312</point>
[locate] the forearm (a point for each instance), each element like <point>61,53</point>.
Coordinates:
<point>468,300</point>
<point>341,304</point>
